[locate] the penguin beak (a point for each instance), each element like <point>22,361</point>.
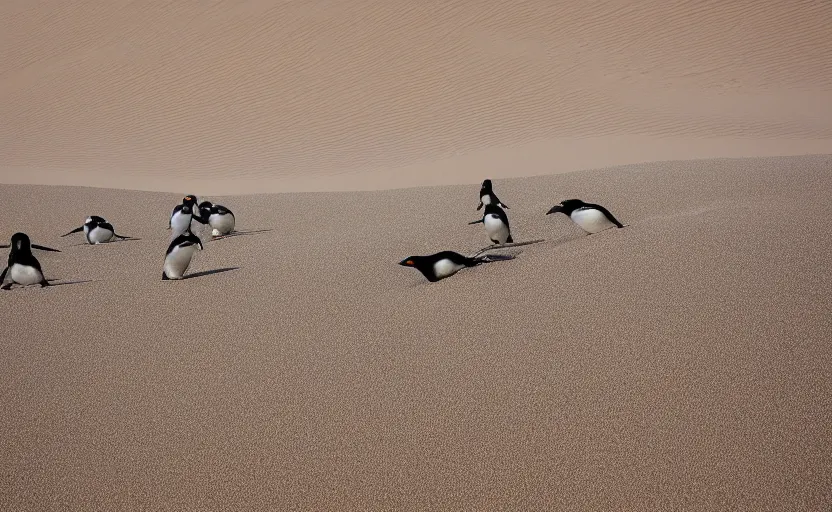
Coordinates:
<point>73,231</point>
<point>476,222</point>
<point>407,262</point>
<point>555,209</point>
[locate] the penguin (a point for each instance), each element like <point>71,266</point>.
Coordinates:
<point>23,268</point>
<point>487,196</point>
<point>592,218</point>
<point>444,264</point>
<point>179,254</point>
<point>97,230</point>
<point>181,220</point>
<point>496,224</point>
<point>220,218</point>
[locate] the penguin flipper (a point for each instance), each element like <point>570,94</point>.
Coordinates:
<point>6,279</point>
<point>74,231</point>
<point>480,206</point>
<point>42,248</point>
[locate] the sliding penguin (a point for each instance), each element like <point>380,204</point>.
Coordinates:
<point>183,215</point>
<point>220,218</point>
<point>487,196</point>
<point>179,254</point>
<point>446,263</point>
<point>97,230</point>
<point>23,268</point>
<point>496,224</point>
<point>592,218</point>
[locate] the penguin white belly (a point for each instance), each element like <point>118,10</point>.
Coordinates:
<point>99,235</point>
<point>179,223</point>
<point>177,262</point>
<point>591,220</point>
<point>25,275</point>
<point>222,224</point>
<point>444,268</point>
<point>496,229</point>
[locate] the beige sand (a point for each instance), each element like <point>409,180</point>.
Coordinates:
<point>313,95</point>
<point>682,363</point>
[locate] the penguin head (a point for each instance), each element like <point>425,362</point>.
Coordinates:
<point>411,261</point>
<point>21,242</point>
<point>486,186</point>
<point>189,200</point>
<point>566,206</point>
<point>95,219</point>
<point>205,205</point>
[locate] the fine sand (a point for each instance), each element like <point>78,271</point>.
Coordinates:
<point>680,363</point>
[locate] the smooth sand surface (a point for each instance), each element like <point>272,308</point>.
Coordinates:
<point>311,95</point>
<point>681,363</point>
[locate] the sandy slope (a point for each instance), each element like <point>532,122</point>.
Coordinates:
<point>369,94</point>
<point>680,363</point>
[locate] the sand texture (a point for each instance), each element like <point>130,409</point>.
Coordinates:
<point>681,363</point>
<point>312,95</point>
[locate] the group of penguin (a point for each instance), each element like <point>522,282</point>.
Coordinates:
<point>24,269</point>
<point>592,218</point>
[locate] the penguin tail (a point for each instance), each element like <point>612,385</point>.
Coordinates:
<point>509,240</point>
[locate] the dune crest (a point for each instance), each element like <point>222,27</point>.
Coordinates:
<point>249,96</point>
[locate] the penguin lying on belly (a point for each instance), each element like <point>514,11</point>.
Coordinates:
<point>592,218</point>
<point>97,231</point>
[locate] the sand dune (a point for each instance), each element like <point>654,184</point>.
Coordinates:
<point>680,363</point>
<point>368,94</point>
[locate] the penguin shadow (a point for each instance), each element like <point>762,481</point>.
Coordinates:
<point>106,243</point>
<point>51,284</point>
<point>64,283</point>
<point>238,233</point>
<point>209,272</point>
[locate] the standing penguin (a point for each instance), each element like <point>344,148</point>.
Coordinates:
<point>220,218</point>
<point>487,196</point>
<point>592,218</point>
<point>446,263</point>
<point>97,230</point>
<point>179,254</point>
<point>496,224</point>
<point>23,268</point>
<point>183,215</point>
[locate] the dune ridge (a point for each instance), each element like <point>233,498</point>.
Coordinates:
<point>251,96</point>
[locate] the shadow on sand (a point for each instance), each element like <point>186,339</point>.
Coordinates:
<point>51,284</point>
<point>129,239</point>
<point>238,233</point>
<point>209,272</point>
